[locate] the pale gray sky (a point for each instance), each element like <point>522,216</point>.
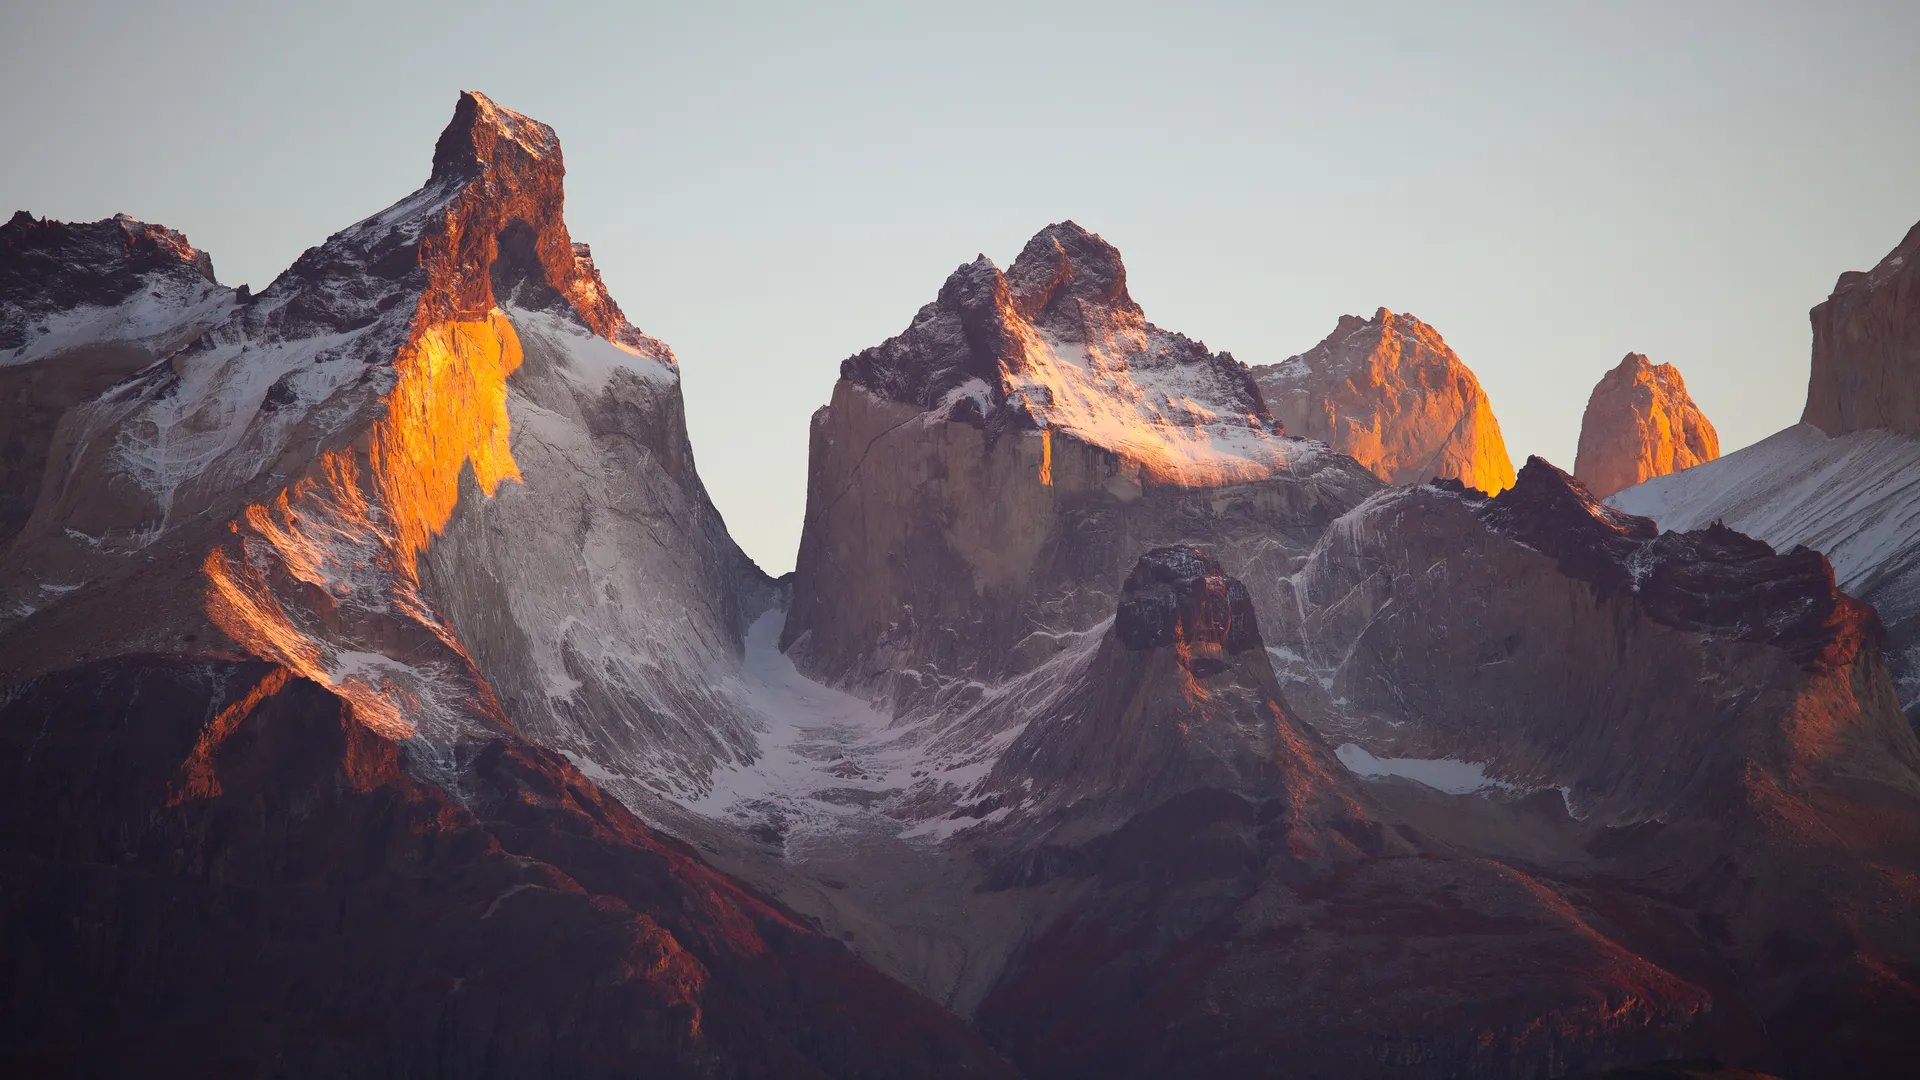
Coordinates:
<point>771,189</point>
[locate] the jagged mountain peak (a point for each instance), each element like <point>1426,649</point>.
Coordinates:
<point>1056,345</point>
<point>486,230</point>
<point>483,135</point>
<point>1713,580</point>
<point>1544,497</point>
<point>57,272</point>
<point>1065,264</point>
<point>1180,596</point>
<point>1339,348</point>
<point>121,237</point>
<point>1179,696</point>
<point>333,418</point>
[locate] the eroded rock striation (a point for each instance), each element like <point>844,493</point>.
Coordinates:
<point>1391,394</point>
<point>1866,348</point>
<point>1640,423</point>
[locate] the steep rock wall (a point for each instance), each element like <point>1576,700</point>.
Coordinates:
<point>1866,348</point>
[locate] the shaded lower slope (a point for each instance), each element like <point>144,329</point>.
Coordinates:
<point>213,869</point>
<point>1231,902</point>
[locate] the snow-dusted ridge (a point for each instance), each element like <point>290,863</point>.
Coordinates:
<point>1854,498</point>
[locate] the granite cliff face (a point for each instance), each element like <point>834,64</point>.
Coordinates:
<point>1388,392</point>
<point>403,533</point>
<point>1640,423</point>
<point>1866,348</point>
<point>980,484</point>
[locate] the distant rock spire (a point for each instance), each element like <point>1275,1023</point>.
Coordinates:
<point>1640,423</point>
<point>1388,392</point>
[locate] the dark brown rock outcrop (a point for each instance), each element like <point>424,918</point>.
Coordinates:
<point>1640,423</point>
<point>1388,392</point>
<point>1223,897</point>
<point>1866,348</point>
<point>49,267</point>
<point>1721,704</point>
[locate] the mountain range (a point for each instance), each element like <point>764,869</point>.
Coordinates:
<point>383,694</point>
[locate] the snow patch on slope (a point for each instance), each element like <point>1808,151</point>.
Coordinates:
<point>1442,774</point>
<point>827,760</point>
<point>164,305</point>
<point>1855,499</point>
<point>591,360</point>
<point>1135,396</point>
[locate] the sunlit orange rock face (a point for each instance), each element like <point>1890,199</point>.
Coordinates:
<point>1866,348</point>
<point>1641,423</point>
<point>1388,392</point>
<point>301,569</point>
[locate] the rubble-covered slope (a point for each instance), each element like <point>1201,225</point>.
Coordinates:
<point>1640,423</point>
<point>1389,392</point>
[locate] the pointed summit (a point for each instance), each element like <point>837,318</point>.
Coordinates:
<point>1063,265</point>
<point>1640,423</point>
<point>1389,392</point>
<point>482,134</point>
<point>1179,696</point>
